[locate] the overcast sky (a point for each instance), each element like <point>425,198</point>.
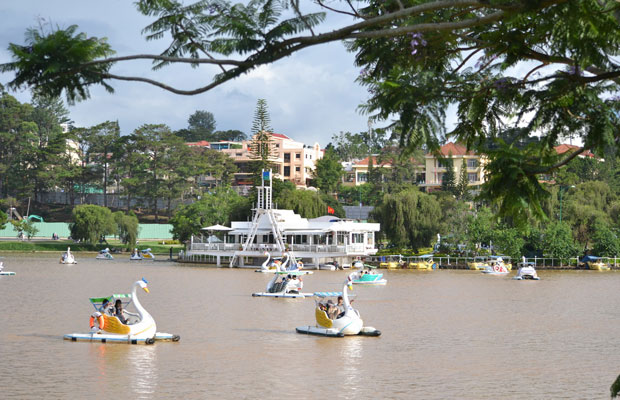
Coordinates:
<point>311,95</point>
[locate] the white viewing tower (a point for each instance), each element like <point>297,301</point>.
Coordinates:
<point>264,209</point>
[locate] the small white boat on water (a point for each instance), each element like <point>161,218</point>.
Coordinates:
<point>369,277</point>
<point>104,255</point>
<point>3,272</point>
<point>347,322</point>
<point>526,271</point>
<point>270,265</point>
<point>496,267</point>
<point>330,266</point>
<point>67,257</point>
<point>136,255</point>
<point>106,327</point>
<point>285,284</point>
<point>147,254</point>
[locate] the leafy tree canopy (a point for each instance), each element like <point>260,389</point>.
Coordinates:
<point>409,218</point>
<point>91,222</point>
<point>545,68</point>
<point>328,172</point>
<point>219,207</point>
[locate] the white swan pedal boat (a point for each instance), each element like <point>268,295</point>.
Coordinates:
<point>271,265</point>
<point>107,328</point>
<point>369,277</point>
<point>5,273</point>
<point>285,284</point>
<point>104,255</point>
<point>67,257</point>
<point>346,323</point>
<point>526,272</point>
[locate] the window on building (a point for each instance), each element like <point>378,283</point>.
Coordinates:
<point>277,144</point>
<point>472,163</point>
<point>287,157</point>
<point>287,171</point>
<point>341,238</point>
<point>472,177</point>
<point>298,155</point>
<point>440,177</point>
<point>441,164</point>
<point>297,169</point>
<point>362,177</point>
<point>238,154</point>
<point>357,238</point>
<point>349,177</point>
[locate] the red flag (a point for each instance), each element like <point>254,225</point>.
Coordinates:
<point>330,210</point>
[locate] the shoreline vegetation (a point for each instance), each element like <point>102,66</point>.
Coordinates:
<point>51,246</point>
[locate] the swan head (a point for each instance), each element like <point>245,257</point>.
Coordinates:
<point>143,284</point>
<point>351,278</point>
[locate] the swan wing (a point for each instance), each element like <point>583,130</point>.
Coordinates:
<point>114,325</point>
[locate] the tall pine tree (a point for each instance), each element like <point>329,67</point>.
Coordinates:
<point>262,148</point>
<point>462,189</point>
<point>448,183</point>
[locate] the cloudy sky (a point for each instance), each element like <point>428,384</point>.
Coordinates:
<point>311,95</point>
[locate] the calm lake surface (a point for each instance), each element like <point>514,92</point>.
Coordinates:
<point>446,334</point>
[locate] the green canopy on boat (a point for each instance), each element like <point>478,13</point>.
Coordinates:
<point>114,297</point>
<point>293,273</point>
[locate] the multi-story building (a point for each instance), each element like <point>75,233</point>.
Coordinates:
<point>293,161</point>
<point>435,167</point>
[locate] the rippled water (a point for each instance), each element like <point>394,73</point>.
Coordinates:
<point>446,334</point>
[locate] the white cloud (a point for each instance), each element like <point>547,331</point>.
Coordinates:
<point>311,95</point>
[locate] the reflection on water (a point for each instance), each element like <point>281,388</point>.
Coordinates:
<point>352,354</point>
<point>445,334</point>
<point>144,370</point>
<point>124,367</point>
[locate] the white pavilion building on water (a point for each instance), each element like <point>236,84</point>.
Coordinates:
<point>314,241</point>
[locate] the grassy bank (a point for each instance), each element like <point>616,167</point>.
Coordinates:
<point>61,245</point>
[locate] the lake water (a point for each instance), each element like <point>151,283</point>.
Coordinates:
<point>446,334</point>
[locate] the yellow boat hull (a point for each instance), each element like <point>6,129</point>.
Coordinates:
<point>599,266</point>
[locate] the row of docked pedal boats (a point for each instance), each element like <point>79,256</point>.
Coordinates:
<point>105,254</point>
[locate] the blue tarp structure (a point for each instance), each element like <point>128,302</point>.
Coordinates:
<point>586,259</point>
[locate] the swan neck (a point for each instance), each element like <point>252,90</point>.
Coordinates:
<point>136,302</point>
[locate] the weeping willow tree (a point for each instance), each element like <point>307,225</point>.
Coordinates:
<point>306,203</point>
<point>409,218</point>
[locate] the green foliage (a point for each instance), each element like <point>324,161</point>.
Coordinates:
<point>262,148</point>
<point>462,188</point>
<point>409,218</point>
<point>127,228</point>
<point>219,207</point>
<point>509,241</point>
<point>91,222</point>
<point>587,205</point>
<point>26,227</point>
<point>3,219</point>
<point>201,125</point>
<point>306,203</point>
<point>355,146</point>
<point>448,183</point>
<point>48,62</point>
<point>480,226</point>
<point>453,226</point>
<point>557,241</point>
<point>605,242</point>
<point>328,172</point>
